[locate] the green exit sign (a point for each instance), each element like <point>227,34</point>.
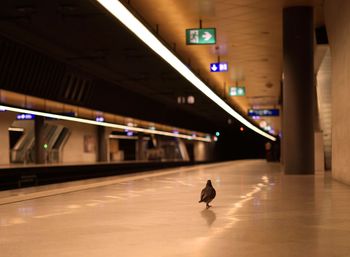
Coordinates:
<point>237,91</point>
<point>205,36</point>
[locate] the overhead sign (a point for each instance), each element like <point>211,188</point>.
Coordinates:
<point>25,116</point>
<point>100,119</point>
<point>201,36</point>
<point>218,67</point>
<point>237,91</point>
<point>263,112</point>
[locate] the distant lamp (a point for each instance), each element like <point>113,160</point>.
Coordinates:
<point>190,99</point>
<point>180,99</point>
<point>267,128</point>
<point>263,124</point>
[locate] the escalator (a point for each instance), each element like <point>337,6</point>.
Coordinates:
<point>57,148</point>
<point>55,137</point>
<point>21,152</point>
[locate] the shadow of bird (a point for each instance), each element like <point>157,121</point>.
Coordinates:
<point>208,194</point>
<point>209,216</point>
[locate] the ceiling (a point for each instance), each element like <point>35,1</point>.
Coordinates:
<point>82,34</point>
<point>249,38</point>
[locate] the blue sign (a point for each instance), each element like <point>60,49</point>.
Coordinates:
<point>218,67</point>
<point>100,119</point>
<point>263,112</point>
<point>25,116</point>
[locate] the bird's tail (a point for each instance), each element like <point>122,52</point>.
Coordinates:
<point>200,201</point>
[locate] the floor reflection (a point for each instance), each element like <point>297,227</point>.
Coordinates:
<point>209,216</point>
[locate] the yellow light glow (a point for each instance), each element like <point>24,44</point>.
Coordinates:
<point>104,124</point>
<point>119,11</point>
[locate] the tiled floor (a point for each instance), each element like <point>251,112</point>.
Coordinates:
<point>257,212</point>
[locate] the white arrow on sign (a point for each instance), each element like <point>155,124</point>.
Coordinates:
<point>214,67</point>
<point>207,36</point>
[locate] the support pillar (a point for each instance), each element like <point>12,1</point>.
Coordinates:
<point>102,155</point>
<point>6,119</point>
<point>298,91</point>
<point>40,151</point>
<point>140,149</point>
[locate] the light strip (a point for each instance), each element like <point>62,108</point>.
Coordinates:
<point>119,11</point>
<point>16,129</point>
<point>104,124</point>
<point>122,137</point>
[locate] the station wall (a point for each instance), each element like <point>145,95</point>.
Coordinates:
<point>81,146</point>
<point>337,13</point>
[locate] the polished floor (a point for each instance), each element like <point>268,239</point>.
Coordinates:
<point>257,212</point>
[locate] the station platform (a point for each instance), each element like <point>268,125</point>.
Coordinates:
<point>258,211</point>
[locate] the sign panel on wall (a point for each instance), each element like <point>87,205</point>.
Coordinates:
<point>218,67</point>
<point>199,36</point>
<point>263,112</point>
<point>237,91</point>
<point>25,116</point>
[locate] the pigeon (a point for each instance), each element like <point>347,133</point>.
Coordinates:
<point>208,194</point>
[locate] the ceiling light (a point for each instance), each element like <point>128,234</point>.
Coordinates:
<point>122,137</point>
<point>100,123</point>
<point>16,129</point>
<point>118,10</point>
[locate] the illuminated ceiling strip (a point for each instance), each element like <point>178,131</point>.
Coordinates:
<point>16,129</point>
<point>104,124</point>
<point>122,137</point>
<point>131,22</point>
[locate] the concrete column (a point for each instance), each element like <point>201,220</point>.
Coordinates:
<point>40,152</point>
<point>102,155</point>
<point>298,90</point>
<point>6,119</point>
<point>140,148</point>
